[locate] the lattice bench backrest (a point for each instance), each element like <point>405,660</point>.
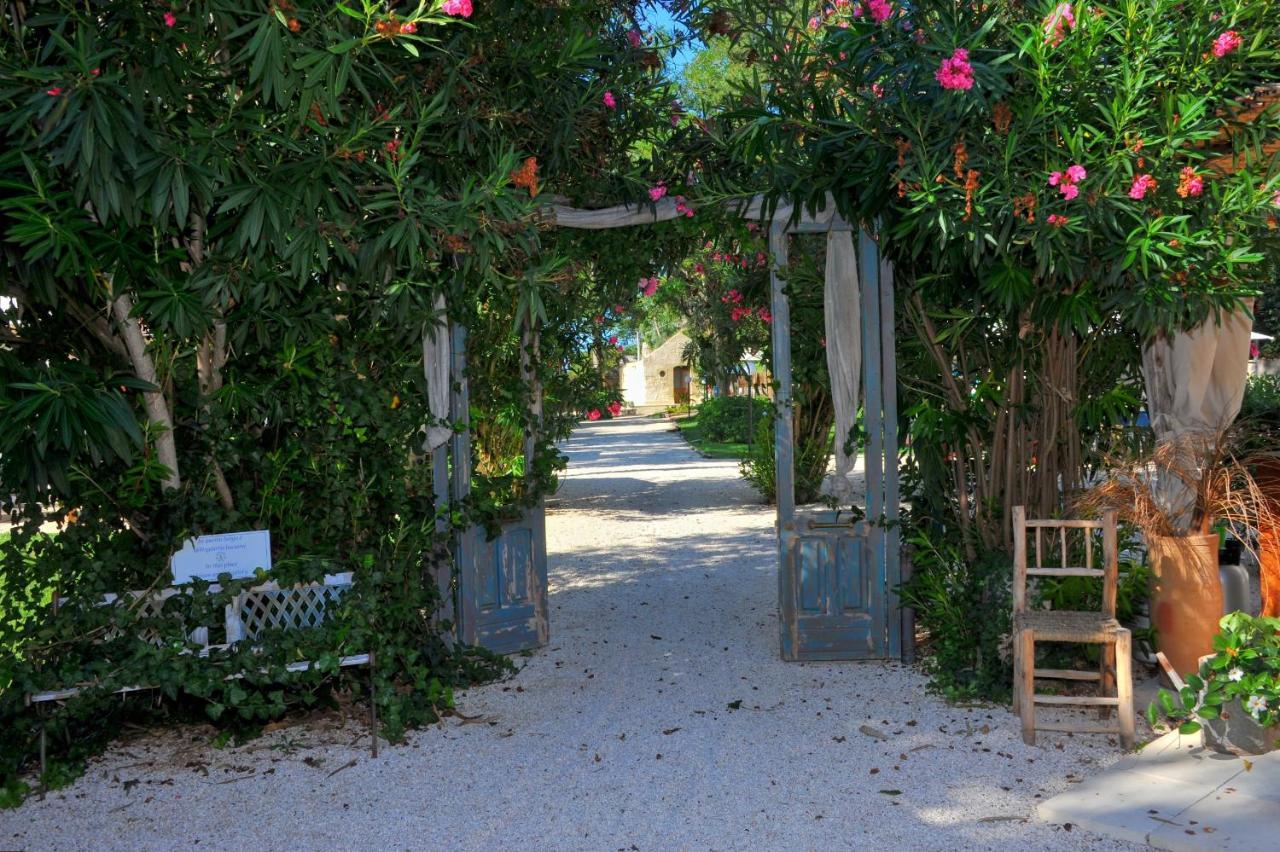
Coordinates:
<point>261,608</point>
<point>271,607</point>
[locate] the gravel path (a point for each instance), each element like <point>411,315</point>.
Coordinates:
<point>660,717</point>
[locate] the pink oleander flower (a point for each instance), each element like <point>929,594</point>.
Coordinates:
<point>54,92</point>
<point>408,28</point>
<point>1190,184</point>
<point>1227,42</point>
<point>682,208</point>
<point>1066,181</point>
<point>1141,184</point>
<point>609,100</point>
<point>1275,199</point>
<point>764,315</point>
<point>656,192</point>
<point>955,72</point>
<point>1058,22</point>
<point>458,8</point>
<point>649,286</point>
<point>594,414</point>
<point>880,10</point>
<point>170,20</point>
<point>1058,221</point>
<point>615,408</point>
<point>613,340</point>
<point>633,38</point>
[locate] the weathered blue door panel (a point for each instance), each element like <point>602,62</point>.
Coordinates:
<point>503,585</point>
<point>836,616</point>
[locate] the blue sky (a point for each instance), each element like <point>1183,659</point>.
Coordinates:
<point>656,15</point>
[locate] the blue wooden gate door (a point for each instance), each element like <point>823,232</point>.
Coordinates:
<point>837,577</point>
<point>501,577</point>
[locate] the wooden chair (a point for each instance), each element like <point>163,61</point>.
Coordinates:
<point>1115,675</point>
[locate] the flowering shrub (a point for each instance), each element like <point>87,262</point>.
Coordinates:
<point>1245,667</point>
<point>1055,183</point>
<point>224,228</point>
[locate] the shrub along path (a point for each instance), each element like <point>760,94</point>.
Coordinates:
<point>660,717</point>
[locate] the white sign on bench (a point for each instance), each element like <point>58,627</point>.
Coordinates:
<point>238,554</point>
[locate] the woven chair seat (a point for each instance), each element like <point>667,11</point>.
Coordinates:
<point>1061,626</point>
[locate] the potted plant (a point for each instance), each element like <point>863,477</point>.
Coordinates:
<point>1235,697</point>
<point>1175,495</point>
<point>1260,422</point>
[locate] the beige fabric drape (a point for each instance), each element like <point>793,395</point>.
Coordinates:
<point>1195,383</point>
<point>435,365</point>
<point>843,318</point>
<point>1195,379</point>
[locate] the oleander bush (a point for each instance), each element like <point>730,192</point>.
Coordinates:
<point>224,228</point>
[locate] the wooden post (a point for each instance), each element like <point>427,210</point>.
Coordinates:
<point>460,486</point>
<point>784,437</point>
<point>529,345</point>
<point>874,426</point>
<point>889,445</point>
<point>1020,558</point>
<point>1026,641</point>
<point>1124,687</point>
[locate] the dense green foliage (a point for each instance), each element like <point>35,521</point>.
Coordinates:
<point>726,418</point>
<point>225,230</point>
<point>1055,184</point>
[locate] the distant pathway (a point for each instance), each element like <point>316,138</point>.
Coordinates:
<point>660,717</point>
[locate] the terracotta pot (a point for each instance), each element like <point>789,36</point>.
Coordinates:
<point>1267,475</point>
<point>1269,570</point>
<point>1186,597</point>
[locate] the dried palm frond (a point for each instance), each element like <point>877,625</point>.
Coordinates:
<point>1183,487</point>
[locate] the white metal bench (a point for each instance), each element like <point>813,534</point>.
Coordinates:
<point>247,617</point>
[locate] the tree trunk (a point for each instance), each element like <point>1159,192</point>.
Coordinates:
<point>157,409</point>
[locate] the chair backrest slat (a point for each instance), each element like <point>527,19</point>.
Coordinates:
<point>1109,572</point>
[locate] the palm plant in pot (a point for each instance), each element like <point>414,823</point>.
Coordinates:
<point>1235,696</point>
<point>1174,495</point>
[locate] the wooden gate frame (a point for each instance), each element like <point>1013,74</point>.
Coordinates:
<point>880,420</point>
<point>880,531</point>
<point>456,579</point>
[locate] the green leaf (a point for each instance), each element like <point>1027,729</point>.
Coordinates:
<point>345,46</point>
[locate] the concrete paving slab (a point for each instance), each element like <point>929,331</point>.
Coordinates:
<point>1175,794</point>
<point>1221,821</point>
<point>1128,806</point>
<point>1183,759</point>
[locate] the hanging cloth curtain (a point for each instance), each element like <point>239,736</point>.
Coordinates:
<point>843,318</point>
<point>435,365</point>
<point>1195,379</point>
<point>1195,383</point>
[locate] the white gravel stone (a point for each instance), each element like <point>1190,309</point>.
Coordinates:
<point>619,734</point>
